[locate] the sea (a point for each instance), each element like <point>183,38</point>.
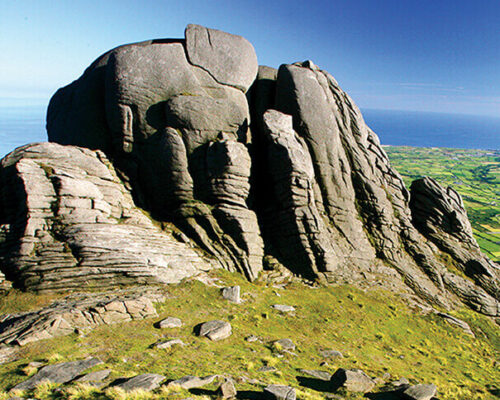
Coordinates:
<point>21,124</point>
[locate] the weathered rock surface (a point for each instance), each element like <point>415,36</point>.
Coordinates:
<point>232,294</point>
<point>58,373</point>
<point>285,344</point>
<point>420,392</point>
<point>78,312</point>
<point>353,380</point>
<point>169,323</point>
<point>193,382</point>
<point>283,308</point>
<point>167,344</point>
<point>70,223</point>
<point>94,377</point>
<point>323,375</point>
<point>309,186</point>
<point>227,390</point>
<point>215,330</point>
<point>145,382</point>
<point>279,392</point>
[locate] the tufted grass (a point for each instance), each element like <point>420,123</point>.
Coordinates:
<point>375,330</point>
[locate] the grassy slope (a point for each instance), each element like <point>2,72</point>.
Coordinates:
<point>375,330</point>
<point>475,174</point>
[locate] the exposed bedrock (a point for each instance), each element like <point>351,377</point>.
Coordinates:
<point>309,184</point>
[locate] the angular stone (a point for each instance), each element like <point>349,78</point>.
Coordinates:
<point>331,354</point>
<point>167,344</point>
<point>232,294</point>
<point>193,382</point>
<point>279,392</point>
<point>285,344</point>
<point>145,382</point>
<point>227,390</point>
<point>96,376</point>
<point>323,375</point>
<point>353,380</point>
<point>230,59</point>
<point>216,330</point>
<point>58,373</point>
<point>420,392</point>
<point>283,308</point>
<point>170,322</point>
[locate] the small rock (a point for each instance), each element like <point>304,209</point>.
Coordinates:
<point>251,338</point>
<point>170,322</point>
<point>35,364</point>
<point>285,344</point>
<point>400,382</point>
<point>420,392</point>
<point>232,294</point>
<point>331,354</point>
<point>216,330</point>
<point>266,368</point>
<point>226,389</point>
<point>283,308</point>
<point>145,382</point>
<point>167,344</point>
<point>279,392</point>
<point>96,376</point>
<point>323,375</point>
<point>193,382</point>
<point>353,380</point>
<point>58,373</point>
<point>457,322</point>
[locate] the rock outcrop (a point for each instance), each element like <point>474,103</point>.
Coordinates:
<point>249,162</point>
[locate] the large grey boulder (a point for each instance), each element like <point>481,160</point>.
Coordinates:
<point>230,59</point>
<point>58,373</point>
<point>145,382</point>
<point>215,330</point>
<point>352,380</point>
<point>192,382</point>
<point>279,392</point>
<point>420,392</point>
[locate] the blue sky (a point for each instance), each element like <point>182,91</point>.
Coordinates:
<point>440,55</point>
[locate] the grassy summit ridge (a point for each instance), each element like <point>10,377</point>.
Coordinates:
<point>475,174</point>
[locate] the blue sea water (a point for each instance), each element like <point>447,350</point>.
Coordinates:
<point>26,124</point>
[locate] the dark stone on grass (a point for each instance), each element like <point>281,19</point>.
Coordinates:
<point>145,382</point>
<point>420,392</point>
<point>58,373</point>
<point>279,392</point>
<point>352,380</point>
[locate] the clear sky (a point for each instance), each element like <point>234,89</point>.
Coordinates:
<point>424,55</point>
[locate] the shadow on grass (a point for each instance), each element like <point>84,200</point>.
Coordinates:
<point>316,384</point>
<point>391,395</point>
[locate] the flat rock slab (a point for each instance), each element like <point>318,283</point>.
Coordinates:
<point>323,375</point>
<point>232,294</point>
<point>285,344</point>
<point>144,382</point>
<point>170,322</point>
<point>457,322</point>
<point>266,368</point>
<point>58,373</point>
<point>216,330</point>
<point>279,392</point>
<point>227,390</point>
<point>193,382</point>
<point>283,308</point>
<point>420,392</point>
<point>353,380</point>
<point>167,344</point>
<point>96,376</point>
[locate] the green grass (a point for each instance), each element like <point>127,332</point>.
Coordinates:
<point>475,174</point>
<point>374,330</point>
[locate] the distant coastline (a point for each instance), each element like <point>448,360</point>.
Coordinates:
<point>21,124</point>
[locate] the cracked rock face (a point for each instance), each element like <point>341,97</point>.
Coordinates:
<point>249,162</point>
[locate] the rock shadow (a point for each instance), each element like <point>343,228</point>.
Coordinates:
<point>316,384</point>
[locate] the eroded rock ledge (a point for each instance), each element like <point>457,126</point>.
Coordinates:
<point>249,162</point>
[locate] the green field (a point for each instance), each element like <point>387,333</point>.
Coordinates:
<point>475,174</point>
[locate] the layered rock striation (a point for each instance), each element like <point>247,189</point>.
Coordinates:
<point>251,163</point>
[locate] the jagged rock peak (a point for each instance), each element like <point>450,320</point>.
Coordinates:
<point>252,163</point>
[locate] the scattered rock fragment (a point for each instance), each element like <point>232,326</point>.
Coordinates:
<point>457,322</point>
<point>323,375</point>
<point>353,380</point>
<point>58,373</point>
<point>170,322</point>
<point>216,330</point>
<point>145,382</point>
<point>192,382</point>
<point>266,368</point>
<point>227,390</point>
<point>283,308</point>
<point>279,392</point>
<point>420,392</point>
<point>251,338</point>
<point>284,344</point>
<point>331,354</point>
<point>232,294</point>
<point>167,344</point>
<point>401,383</point>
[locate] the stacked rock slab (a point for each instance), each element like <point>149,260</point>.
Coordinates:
<point>68,222</point>
<point>310,184</point>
